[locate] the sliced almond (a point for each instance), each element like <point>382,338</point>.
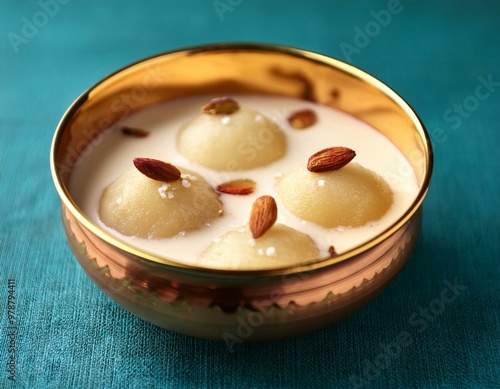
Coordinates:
<point>221,106</point>
<point>332,158</point>
<point>157,170</point>
<point>135,132</point>
<point>302,119</point>
<point>263,215</point>
<point>237,187</point>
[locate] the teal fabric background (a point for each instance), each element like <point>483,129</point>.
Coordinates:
<point>436,54</point>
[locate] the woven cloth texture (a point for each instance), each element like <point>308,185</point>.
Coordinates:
<point>443,57</point>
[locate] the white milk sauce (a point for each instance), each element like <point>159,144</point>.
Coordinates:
<point>106,161</point>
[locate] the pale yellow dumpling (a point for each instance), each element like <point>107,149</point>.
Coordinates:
<point>280,246</point>
<point>136,205</point>
<point>351,196</point>
<point>241,140</point>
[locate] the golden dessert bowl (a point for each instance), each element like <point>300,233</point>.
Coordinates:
<point>236,306</point>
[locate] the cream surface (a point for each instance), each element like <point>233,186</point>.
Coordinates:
<point>103,163</point>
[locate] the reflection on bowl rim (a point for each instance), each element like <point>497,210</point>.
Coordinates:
<point>311,56</point>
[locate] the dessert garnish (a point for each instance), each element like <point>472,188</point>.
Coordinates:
<point>331,158</point>
<point>221,106</point>
<point>157,170</point>
<point>302,119</point>
<point>332,252</point>
<point>263,215</point>
<point>237,187</point>
<point>135,132</point>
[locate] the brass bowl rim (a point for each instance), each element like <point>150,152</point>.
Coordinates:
<point>259,47</point>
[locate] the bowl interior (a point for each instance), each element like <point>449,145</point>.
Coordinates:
<point>238,68</point>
